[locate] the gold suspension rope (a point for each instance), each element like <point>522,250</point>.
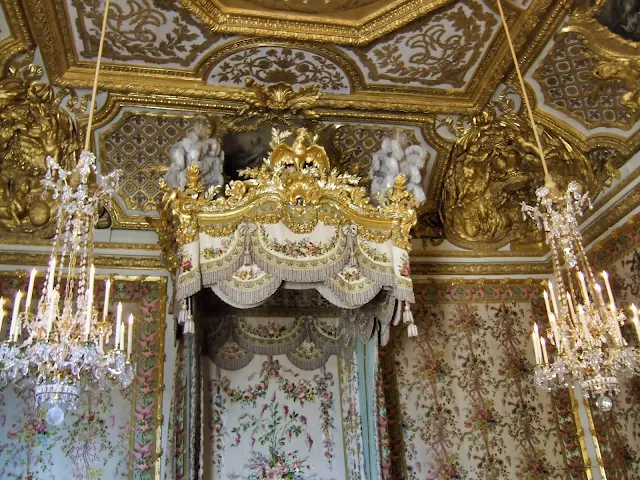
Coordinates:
<point>92,104</point>
<point>525,97</point>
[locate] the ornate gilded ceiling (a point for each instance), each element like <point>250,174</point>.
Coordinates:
<point>383,68</point>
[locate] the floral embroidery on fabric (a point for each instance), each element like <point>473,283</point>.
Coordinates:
<point>268,330</point>
<point>248,273</point>
<point>405,267</point>
<point>373,253</point>
<point>186,262</point>
<point>304,248</point>
<point>323,383</point>
<point>214,252</point>
<point>272,427</point>
<point>351,275</point>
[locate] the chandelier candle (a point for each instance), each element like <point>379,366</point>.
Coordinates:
<point>32,281</point>
<point>13,336</point>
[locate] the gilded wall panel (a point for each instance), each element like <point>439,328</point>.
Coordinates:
<point>568,84</point>
<point>467,398</point>
<point>440,49</point>
<point>274,64</point>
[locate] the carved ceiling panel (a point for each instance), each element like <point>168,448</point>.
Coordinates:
<point>160,32</point>
<point>274,64</point>
<point>441,49</point>
<point>305,6</point>
<point>568,84</point>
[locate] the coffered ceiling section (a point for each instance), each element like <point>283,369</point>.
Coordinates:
<point>402,55</point>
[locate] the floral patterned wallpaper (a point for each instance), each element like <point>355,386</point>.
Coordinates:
<point>465,397</point>
<point>112,436</point>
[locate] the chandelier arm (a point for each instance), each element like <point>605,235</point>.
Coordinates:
<point>92,104</point>
<point>525,97</point>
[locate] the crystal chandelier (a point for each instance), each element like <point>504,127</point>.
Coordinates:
<point>588,346</point>
<point>584,328</point>
<point>65,346</point>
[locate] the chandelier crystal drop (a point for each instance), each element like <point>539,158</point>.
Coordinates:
<point>584,343</point>
<point>66,346</point>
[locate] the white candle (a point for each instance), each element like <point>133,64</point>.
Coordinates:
<point>553,299</point>
<point>122,336</point>
<point>107,289</point>
<point>51,312</point>
<point>13,330</point>
<point>572,311</point>
<point>583,321</point>
<point>616,323</point>
<point>32,281</point>
<point>543,342</point>
<point>130,336</point>
<point>118,325</point>
<point>599,293</point>
<point>556,333</point>
<point>89,294</point>
<point>52,274</point>
<point>1,313</point>
<point>546,303</point>
<point>536,344</point>
<point>607,285</point>
<point>636,322</point>
<point>583,287</point>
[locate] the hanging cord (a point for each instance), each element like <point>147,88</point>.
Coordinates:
<point>525,97</point>
<point>94,93</point>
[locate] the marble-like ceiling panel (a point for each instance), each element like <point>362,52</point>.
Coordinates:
<point>141,31</point>
<point>442,49</point>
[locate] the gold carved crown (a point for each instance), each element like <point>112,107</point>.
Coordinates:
<point>295,185</point>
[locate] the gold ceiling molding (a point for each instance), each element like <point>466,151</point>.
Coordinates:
<point>19,40</point>
<point>476,269</point>
<point>51,27</point>
<point>612,216</point>
<point>100,261</point>
<point>229,17</point>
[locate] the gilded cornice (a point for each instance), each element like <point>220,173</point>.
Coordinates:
<point>100,261</point>
<point>479,268</point>
<point>20,38</point>
<point>304,27</point>
<point>612,216</point>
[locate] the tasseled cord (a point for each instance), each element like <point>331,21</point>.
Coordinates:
<point>185,316</point>
<point>407,318</point>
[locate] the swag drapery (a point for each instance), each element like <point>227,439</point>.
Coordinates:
<point>293,225</point>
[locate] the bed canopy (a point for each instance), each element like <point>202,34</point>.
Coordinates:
<point>293,223</point>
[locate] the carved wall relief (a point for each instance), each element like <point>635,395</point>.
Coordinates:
<point>494,167</point>
<point>33,126</point>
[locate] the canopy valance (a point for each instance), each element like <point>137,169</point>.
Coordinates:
<point>293,223</point>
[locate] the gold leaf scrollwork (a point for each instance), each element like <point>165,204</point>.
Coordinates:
<point>33,126</point>
<point>494,167</point>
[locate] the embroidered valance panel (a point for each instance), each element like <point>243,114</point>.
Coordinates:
<point>248,266</point>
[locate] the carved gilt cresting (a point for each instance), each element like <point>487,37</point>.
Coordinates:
<point>494,167</point>
<point>295,185</point>
<point>616,56</point>
<point>33,126</point>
